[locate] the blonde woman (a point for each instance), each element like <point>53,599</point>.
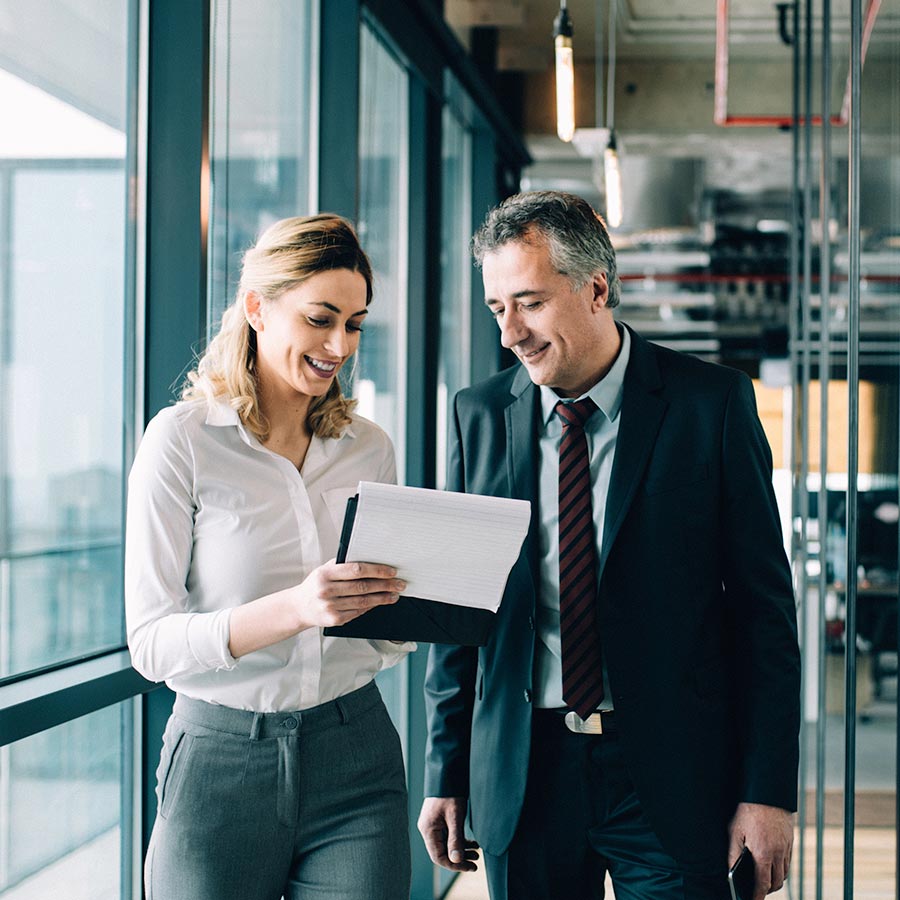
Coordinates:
<point>281,773</point>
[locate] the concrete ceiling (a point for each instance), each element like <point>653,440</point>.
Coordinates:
<point>665,76</point>
<point>662,29</point>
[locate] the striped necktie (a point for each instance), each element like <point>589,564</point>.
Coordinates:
<point>582,672</point>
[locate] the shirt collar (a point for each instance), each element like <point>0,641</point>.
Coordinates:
<point>221,413</point>
<point>606,393</point>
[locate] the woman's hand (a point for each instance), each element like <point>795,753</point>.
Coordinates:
<point>336,593</point>
<point>332,594</point>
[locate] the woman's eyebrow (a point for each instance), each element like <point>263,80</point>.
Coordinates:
<point>334,309</point>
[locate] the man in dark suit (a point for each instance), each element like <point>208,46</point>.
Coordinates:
<point>636,710</point>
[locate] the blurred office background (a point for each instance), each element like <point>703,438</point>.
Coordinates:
<point>144,143</point>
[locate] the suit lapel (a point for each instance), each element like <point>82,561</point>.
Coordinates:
<point>521,435</point>
<point>521,456</point>
<point>641,415</point>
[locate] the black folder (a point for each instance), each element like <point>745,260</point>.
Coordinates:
<point>413,618</point>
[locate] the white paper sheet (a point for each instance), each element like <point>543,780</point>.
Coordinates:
<point>450,547</point>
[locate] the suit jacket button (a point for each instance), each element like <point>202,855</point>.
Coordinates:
<point>527,694</point>
<point>531,622</point>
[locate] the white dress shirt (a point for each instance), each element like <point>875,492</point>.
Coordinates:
<point>216,520</point>
<point>601,430</point>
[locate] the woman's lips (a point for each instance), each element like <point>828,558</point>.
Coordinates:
<point>322,368</point>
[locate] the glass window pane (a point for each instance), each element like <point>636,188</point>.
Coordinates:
<point>64,239</point>
<point>263,62</point>
<point>383,139</point>
<point>456,215</point>
<point>63,799</point>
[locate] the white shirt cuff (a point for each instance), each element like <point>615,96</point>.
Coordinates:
<point>208,636</point>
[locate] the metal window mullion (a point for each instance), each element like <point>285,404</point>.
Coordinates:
<point>824,377</point>
<point>853,443</point>
<point>135,200</point>
<point>5,824</point>
<point>49,699</point>
<point>6,312</point>
<point>804,306</point>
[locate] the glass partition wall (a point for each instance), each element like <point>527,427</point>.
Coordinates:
<point>262,124</point>
<point>68,78</point>
<point>846,354</point>
<point>380,383</point>
<point>454,366</point>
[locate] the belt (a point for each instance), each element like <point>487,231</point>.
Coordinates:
<point>603,722</point>
<point>596,723</point>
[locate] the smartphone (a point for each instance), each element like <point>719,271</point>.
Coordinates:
<point>742,876</point>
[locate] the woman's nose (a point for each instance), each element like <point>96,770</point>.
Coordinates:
<point>338,342</point>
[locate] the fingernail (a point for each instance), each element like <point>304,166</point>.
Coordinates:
<point>395,598</point>
<point>455,856</point>
<point>400,585</point>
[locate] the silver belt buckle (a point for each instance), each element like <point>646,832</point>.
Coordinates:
<point>593,724</point>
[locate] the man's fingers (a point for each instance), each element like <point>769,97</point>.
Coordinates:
<point>735,848</point>
<point>441,826</point>
<point>436,844</point>
<point>779,873</point>
<point>456,841</point>
<point>763,885</point>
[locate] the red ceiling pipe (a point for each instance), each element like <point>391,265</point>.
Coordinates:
<point>720,111</point>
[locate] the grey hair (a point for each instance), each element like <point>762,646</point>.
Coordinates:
<point>575,235</point>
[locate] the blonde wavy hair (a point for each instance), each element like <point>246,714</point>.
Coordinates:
<point>285,255</point>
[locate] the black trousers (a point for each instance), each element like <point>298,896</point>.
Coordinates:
<point>581,819</point>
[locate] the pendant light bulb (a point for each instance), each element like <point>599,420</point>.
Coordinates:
<point>565,75</point>
<point>613,183</point>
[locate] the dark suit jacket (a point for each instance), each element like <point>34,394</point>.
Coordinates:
<point>695,609</point>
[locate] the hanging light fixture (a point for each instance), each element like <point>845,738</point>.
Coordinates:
<point>612,175</point>
<point>612,178</point>
<point>565,74</point>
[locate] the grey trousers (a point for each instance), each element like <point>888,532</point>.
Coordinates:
<point>259,806</point>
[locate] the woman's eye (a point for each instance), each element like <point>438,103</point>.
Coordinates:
<point>356,329</point>
<point>318,323</point>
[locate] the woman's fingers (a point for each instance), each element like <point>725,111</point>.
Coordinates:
<point>336,593</point>
<point>355,571</point>
<point>341,580</point>
<point>361,605</point>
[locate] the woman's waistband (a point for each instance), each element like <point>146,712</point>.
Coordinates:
<point>257,725</point>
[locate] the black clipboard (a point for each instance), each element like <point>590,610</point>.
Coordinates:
<point>412,618</point>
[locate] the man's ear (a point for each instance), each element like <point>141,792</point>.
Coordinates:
<point>600,287</point>
<point>253,310</point>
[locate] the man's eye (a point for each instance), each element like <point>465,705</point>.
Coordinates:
<point>530,306</point>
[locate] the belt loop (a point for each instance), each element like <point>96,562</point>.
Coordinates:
<point>345,716</point>
<point>256,726</point>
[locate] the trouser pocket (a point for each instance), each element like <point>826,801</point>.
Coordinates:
<point>177,744</point>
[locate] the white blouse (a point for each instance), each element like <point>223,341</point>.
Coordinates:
<point>216,520</point>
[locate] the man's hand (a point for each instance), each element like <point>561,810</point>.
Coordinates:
<point>441,825</point>
<point>769,833</point>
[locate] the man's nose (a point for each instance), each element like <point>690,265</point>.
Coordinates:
<point>512,330</point>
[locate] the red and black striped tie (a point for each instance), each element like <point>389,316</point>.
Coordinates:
<point>582,672</point>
